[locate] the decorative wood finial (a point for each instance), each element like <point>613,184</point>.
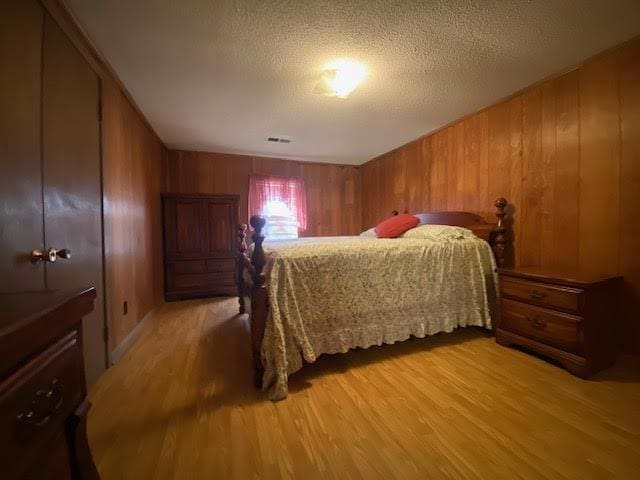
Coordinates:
<point>257,223</point>
<point>242,256</point>
<point>257,257</point>
<point>500,233</point>
<point>500,204</point>
<point>242,235</point>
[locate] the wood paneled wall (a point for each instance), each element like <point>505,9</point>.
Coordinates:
<point>132,176</point>
<point>333,191</point>
<point>565,153</point>
<point>133,160</point>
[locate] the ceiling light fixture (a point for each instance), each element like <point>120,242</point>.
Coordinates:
<point>340,78</point>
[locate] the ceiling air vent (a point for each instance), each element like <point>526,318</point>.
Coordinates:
<point>279,139</point>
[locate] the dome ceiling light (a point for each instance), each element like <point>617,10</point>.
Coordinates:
<point>340,78</point>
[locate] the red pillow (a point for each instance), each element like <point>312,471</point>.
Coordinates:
<point>396,225</point>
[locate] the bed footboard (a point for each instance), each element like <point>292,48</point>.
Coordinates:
<point>257,291</point>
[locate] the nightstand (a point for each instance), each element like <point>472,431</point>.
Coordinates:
<point>567,316</point>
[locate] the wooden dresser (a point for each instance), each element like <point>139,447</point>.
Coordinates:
<point>43,397</point>
<point>568,316</point>
<point>199,245</point>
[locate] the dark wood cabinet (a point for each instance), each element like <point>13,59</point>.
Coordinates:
<point>567,316</point>
<point>43,396</point>
<point>199,245</point>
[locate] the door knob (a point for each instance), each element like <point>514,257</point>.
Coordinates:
<point>63,253</point>
<point>51,255</point>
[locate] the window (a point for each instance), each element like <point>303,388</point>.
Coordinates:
<point>281,222</point>
<point>283,203</point>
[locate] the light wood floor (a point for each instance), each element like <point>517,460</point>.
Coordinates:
<point>181,405</point>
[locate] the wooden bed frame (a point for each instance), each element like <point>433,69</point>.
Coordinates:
<point>494,233</point>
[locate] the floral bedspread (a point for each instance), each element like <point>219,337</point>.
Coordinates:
<point>331,294</point>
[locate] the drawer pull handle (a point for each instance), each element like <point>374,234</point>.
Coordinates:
<point>537,294</point>
<point>537,323</point>
<point>45,403</point>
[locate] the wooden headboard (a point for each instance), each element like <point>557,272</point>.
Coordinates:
<point>494,233</point>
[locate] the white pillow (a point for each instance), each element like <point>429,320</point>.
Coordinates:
<point>438,232</point>
<point>369,233</point>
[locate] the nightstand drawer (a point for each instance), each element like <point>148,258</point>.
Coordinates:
<point>553,328</point>
<point>564,298</point>
<point>35,403</point>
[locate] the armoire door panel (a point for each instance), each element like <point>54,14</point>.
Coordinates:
<point>72,184</point>
<point>191,224</point>
<point>21,227</point>
<point>220,223</point>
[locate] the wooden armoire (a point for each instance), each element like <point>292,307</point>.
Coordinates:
<point>199,245</point>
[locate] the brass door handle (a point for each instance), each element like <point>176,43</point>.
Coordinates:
<point>50,255</point>
<point>63,253</point>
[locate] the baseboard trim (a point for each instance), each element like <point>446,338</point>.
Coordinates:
<point>116,355</point>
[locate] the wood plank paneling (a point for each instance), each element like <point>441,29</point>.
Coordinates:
<point>515,178</point>
<point>333,191</point>
<point>132,178</point>
<point>599,165</point>
<point>483,201</point>
<point>566,155</point>
<point>628,67</point>
<point>566,186</point>
<point>424,174</point>
<point>470,166</point>
<point>531,228</point>
<point>499,149</point>
<point>455,171</point>
<point>547,171</point>
<point>438,190</point>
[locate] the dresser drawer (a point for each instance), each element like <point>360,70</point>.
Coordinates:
<point>202,281</point>
<point>36,400</point>
<point>54,463</point>
<point>188,266</point>
<point>221,265</point>
<point>564,298</point>
<point>553,328</point>
<point>211,265</point>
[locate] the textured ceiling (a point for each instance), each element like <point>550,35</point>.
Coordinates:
<point>221,75</point>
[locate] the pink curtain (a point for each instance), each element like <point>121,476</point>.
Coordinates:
<point>290,191</point>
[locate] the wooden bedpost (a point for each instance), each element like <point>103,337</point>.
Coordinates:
<point>240,265</point>
<point>500,237</point>
<point>259,298</point>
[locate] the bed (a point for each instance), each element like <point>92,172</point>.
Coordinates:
<point>325,295</point>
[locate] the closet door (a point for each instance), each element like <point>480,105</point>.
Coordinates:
<point>20,174</point>
<point>72,184</point>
